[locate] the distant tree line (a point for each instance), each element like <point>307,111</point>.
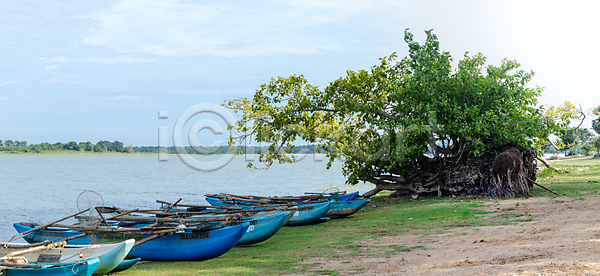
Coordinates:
<point>221,149</point>
<point>14,146</point>
<point>102,146</point>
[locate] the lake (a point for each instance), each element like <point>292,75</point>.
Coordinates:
<point>44,188</point>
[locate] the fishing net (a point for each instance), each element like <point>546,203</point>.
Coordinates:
<point>89,199</point>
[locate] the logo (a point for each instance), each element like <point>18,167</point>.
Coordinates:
<point>179,135</point>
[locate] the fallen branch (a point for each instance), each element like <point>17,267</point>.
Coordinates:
<point>539,185</point>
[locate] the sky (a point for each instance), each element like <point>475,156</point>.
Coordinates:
<point>102,70</point>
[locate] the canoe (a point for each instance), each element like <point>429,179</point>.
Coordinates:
<point>341,209</point>
<point>79,268</point>
<point>126,264</point>
<point>262,227</point>
<point>307,213</point>
<point>109,255</point>
<point>264,222</point>
<point>181,246</point>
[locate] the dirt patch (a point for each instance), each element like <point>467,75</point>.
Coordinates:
<point>562,238</point>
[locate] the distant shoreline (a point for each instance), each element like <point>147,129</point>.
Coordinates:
<point>99,153</point>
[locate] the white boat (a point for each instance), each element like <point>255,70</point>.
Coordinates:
<point>109,255</point>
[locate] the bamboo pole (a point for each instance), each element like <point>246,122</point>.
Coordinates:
<point>34,249</point>
<point>172,205</point>
<point>23,234</point>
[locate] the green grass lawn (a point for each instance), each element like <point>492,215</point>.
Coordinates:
<point>284,253</point>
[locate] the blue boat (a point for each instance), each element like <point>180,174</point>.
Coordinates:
<point>80,268</point>
<point>307,212</point>
<point>341,209</point>
<point>181,246</point>
<point>263,225</point>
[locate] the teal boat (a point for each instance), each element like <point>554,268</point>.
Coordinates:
<point>80,268</point>
<point>263,226</point>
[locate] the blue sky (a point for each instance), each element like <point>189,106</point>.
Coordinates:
<point>101,70</point>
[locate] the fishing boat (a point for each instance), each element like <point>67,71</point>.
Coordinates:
<point>109,255</point>
<point>79,268</point>
<point>342,209</point>
<point>308,212</point>
<point>262,225</point>
<point>180,244</point>
<point>264,221</point>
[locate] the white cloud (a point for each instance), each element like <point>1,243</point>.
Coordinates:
<point>124,98</point>
<point>101,60</point>
<point>60,81</point>
<point>53,67</point>
<point>60,59</point>
<point>116,60</point>
<point>177,28</point>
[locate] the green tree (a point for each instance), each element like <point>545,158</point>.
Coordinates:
<point>407,122</point>
<point>596,122</point>
<point>577,139</point>
<point>35,148</point>
<point>85,146</point>
<point>8,143</point>
<point>118,146</point>
<point>99,148</point>
<point>71,145</point>
<point>58,146</point>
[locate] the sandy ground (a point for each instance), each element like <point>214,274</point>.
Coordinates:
<point>562,239</point>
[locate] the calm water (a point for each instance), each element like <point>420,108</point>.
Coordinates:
<point>44,188</point>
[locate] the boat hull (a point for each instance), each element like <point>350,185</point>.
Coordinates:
<point>263,227</point>
<point>181,246</point>
<point>109,255</point>
<point>342,209</point>
<point>307,213</point>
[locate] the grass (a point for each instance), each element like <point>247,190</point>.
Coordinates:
<point>284,253</point>
<point>288,251</point>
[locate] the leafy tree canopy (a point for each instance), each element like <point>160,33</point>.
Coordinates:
<point>402,114</point>
<point>596,122</point>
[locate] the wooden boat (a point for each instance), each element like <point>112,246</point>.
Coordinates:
<point>341,209</point>
<point>79,268</point>
<point>175,245</point>
<point>109,255</point>
<point>308,212</point>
